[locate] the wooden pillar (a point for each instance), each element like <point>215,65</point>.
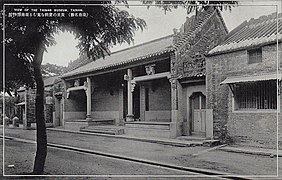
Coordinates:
<point>130,89</point>
<point>88,99</point>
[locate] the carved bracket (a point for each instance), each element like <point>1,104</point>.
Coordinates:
<point>133,84</point>
<point>126,77</point>
<point>150,69</point>
<point>173,83</point>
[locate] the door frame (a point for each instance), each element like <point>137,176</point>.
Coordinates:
<point>190,113</point>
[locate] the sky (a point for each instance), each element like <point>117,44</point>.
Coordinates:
<point>159,24</point>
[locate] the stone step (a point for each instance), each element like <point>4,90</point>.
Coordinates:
<point>147,132</point>
<point>114,130</point>
<point>75,120</point>
<point>204,141</point>
<point>95,122</point>
<point>148,125</point>
<point>211,142</point>
<point>191,138</point>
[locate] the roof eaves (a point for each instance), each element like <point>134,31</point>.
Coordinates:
<point>243,47</point>
<point>167,50</point>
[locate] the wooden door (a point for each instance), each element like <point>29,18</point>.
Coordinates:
<point>198,112</point>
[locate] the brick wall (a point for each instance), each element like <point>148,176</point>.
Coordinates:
<point>105,92</point>
<point>105,99</point>
<point>253,128</point>
<point>76,102</point>
<point>160,95</point>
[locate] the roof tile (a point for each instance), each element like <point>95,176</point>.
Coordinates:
<point>146,50</point>
<point>252,33</point>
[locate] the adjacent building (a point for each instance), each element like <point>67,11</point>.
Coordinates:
<point>25,106</point>
<point>243,76</point>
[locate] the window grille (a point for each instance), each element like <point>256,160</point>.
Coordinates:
<point>255,95</point>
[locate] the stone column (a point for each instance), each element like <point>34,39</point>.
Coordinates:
<point>88,99</point>
<point>130,89</point>
<point>174,100</point>
<point>142,103</point>
<point>176,115</point>
<point>121,106</point>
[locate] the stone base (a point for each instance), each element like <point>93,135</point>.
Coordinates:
<point>88,119</point>
<point>129,118</point>
<point>175,129</point>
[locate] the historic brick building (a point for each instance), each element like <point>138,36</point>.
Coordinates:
<point>153,89</point>
<point>25,106</point>
<point>242,76</point>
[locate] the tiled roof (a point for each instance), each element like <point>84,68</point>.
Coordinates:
<point>129,55</point>
<point>148,49</point>
<point>196,22</point>
<point>251,33</point>
<point>50,80</point>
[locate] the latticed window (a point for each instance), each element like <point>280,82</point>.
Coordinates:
<point>255,56</point>
<point>255,95</point>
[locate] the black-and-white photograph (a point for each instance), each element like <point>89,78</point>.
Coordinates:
<point>145,89</point>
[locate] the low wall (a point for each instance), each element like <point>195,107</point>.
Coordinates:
<point>161,116</point>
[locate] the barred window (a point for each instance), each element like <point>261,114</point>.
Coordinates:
<point>255,56</point>
<point>255,95</point>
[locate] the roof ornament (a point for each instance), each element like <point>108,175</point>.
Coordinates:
<point>150,69</point>
<point>76,83</point>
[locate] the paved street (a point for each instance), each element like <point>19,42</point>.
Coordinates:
<point>234,163</point>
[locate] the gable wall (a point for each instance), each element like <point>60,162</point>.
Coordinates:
<point>210,35</point>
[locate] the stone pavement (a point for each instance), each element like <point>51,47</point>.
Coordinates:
<point>195,157</point>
